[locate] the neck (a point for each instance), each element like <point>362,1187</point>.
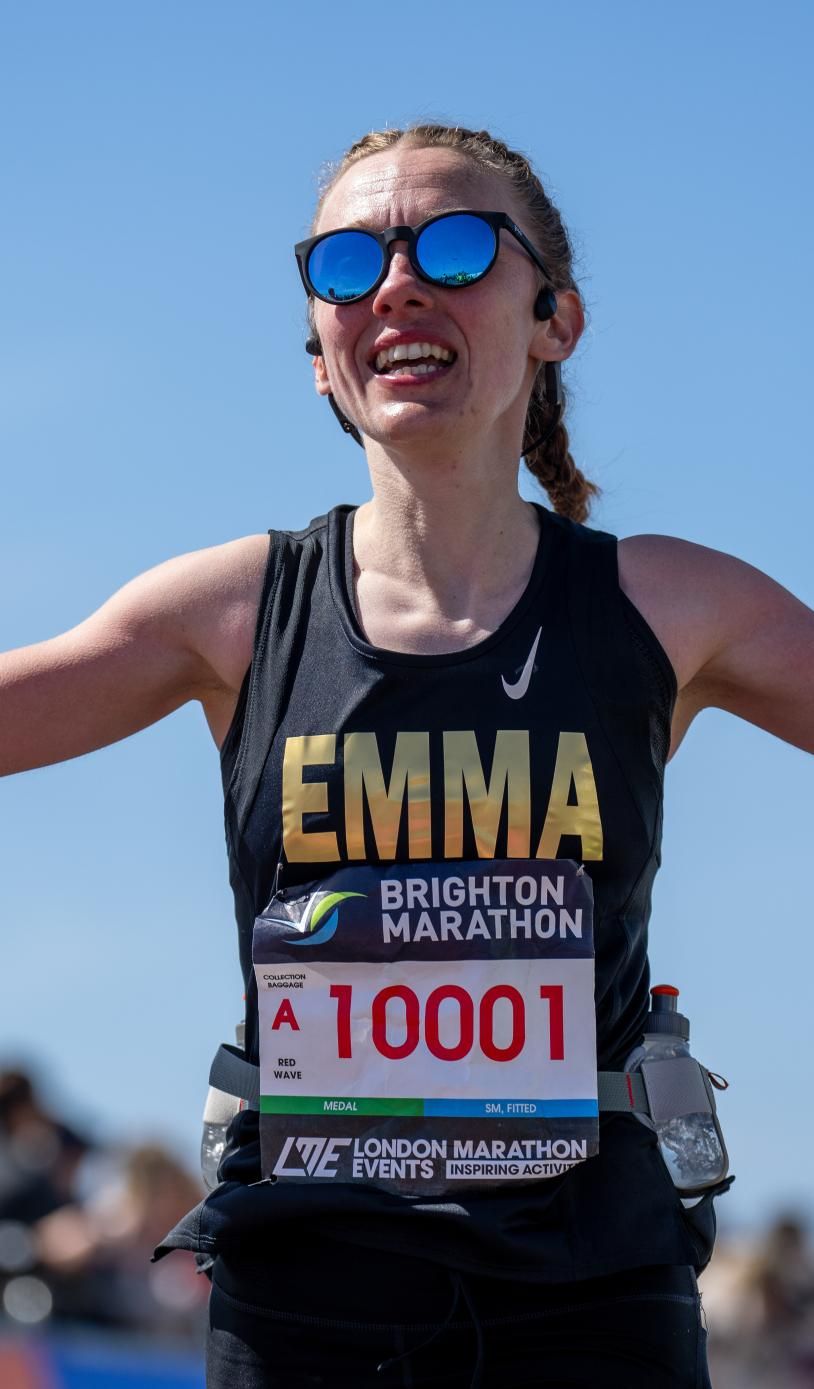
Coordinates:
<point>458,541</point>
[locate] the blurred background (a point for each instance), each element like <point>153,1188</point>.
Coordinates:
<point>157,163</point>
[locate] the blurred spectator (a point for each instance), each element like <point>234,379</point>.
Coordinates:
<point>39,1155</point>
<point>759,1302</point>
<point>783,1278</point>
<point>97,1256</point>
<point>70,1251</point>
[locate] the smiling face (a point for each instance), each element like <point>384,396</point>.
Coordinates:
<point>482,395</point>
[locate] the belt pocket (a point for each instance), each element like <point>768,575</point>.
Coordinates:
<point>702,1223</point>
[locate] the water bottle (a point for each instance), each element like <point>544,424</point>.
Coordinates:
<point>691,1144</point>
<point>219,1111</point>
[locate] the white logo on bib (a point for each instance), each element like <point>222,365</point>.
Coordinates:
<point>314,1153</point>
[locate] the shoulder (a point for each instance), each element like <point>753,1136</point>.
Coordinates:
<point>229,573</point>
<point>200,605</point>
<point>658,574</point>
<point>667,579</point>
<point>211,582</point>
<point>697,599</point>
<point>736,638</point>
<point>212,596</point>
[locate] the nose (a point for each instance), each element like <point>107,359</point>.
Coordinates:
<point>401,287</point>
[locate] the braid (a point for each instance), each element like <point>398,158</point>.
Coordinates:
<point>550,462</point>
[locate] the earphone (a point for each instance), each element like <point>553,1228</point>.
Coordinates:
<point>545,305</point>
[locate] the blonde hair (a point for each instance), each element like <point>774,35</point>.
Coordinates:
<point>550,462</point>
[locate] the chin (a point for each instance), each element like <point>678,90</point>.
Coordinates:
<point>416,423</point>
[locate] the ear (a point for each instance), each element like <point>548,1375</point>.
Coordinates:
<point>556,338</point>
<point>321,382</point>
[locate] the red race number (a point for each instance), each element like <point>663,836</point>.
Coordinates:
<point>402,1002</point>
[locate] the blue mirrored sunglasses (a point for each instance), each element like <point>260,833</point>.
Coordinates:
<point>453,249</point>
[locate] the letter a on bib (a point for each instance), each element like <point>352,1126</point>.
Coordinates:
<point>285,1016</point>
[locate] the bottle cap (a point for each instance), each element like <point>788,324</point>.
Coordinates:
<point>664,1015</point>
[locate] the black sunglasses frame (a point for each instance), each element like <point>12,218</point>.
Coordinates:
<point>496,220</point>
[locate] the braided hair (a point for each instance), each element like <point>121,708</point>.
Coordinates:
<point>546,447</point>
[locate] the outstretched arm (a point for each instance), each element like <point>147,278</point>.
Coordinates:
<point>737,640</point>
<point>176,633</point>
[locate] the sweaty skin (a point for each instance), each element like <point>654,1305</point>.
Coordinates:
<point>445,547</point>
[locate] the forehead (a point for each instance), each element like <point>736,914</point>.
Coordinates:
<point>403,186</point>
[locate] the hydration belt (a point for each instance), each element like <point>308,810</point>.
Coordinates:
<point>652,1093</point>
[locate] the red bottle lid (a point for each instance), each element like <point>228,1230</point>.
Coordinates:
<point>664,1015</point>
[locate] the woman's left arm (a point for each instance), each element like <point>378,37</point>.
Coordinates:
<point>737,640</point>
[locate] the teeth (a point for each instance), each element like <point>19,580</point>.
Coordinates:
<point>420,369</point>
<point>411,352</point>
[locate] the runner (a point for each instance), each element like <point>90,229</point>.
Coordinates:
<point>443,720</point>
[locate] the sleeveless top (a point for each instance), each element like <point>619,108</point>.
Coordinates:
<point>547,739</point>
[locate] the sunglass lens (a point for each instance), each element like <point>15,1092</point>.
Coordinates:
<point>456,250</point>
<point>344,266</point>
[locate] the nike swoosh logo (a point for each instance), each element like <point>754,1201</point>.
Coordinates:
<point>518,689</point>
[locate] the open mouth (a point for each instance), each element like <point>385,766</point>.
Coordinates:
<point>413,359</point>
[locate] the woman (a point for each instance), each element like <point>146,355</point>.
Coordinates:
<point>446,674</point>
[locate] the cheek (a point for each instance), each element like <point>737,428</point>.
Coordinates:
<point>339,334</point>
<point>500,345</point>
<point>493,317</point>
<point>341,319</point>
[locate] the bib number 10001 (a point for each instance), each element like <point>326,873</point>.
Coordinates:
<point>398,1010</point>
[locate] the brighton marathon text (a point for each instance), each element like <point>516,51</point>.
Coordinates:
<point>490,917</point>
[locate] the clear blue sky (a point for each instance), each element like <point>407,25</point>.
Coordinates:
<point>157,162</point>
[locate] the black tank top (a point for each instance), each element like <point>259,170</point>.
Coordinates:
<point>547,739</point>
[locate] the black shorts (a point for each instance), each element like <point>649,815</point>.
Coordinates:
<point>378,1322</point>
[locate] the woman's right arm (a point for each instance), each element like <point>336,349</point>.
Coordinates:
<point>180,631</point>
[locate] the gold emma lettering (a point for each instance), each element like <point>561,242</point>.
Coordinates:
<point>410,774</point>
<point>301,797</point>
<point>581,819</point>
<point>509,784</point>
<point>463,773</point>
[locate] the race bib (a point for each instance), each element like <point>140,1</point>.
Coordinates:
<point>429,1026</point>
